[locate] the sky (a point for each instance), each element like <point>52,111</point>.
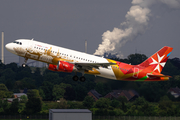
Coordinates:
<point>123,27</point>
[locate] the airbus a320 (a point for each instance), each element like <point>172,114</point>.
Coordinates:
<point>66,60</point>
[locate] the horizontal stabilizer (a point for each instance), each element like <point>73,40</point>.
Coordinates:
<point>158,76</point>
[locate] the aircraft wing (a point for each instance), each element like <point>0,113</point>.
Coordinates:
<point>89,66</point>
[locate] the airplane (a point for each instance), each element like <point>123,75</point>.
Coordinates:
<point>61,59</point>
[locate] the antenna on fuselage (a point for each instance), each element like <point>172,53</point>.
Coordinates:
<point>32,39</point>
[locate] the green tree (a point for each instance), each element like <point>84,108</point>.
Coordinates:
<point>62,104</point>
<point>103,103</point>
<point>26,83</point>
<point>23,73</point>
<point>3,87</point>
<point>136,58</point>
<point>88,102</point>
<point>140,101</point>
<point>41,93</point>
<point>58,92</point>
<point>14,107</point>
<point>38,77</point>
<point>33,106</point>
<point>152,91</point>
<point>23,99</point>
<point>70,93</point>
<point>13,66</point>
<point>115,103</point>
<point>100,88</point>
<point>47,89</point>
<point>166,107</point>
<point>33,94</point>
<point>122,99</point>
<point>5,107</point>
<point>52,77</point>
<point>4,93</point>
<point>81,92</point>
<point>34,103</point>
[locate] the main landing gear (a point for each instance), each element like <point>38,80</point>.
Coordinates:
<point>82,78</point>
<point>25,61</point>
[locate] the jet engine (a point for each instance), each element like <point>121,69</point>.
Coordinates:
<point>62,66</point>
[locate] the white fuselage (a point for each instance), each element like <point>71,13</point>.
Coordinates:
<point>51,54</point>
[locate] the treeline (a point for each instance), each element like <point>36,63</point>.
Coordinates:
<point>102,107</point>
<point>52,86</point>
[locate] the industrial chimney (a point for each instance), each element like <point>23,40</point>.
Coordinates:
<point>2,48</point>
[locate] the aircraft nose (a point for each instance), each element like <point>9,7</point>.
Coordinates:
<point>9,47</point>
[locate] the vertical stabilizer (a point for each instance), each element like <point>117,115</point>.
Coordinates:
<point>157,61</point>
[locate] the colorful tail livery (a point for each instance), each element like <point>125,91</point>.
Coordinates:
<point>61,59</point>
<point>149,70</point>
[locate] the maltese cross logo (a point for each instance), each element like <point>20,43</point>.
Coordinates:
<point>158,63</point>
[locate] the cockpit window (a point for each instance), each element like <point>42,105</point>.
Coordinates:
<point>17,43</point>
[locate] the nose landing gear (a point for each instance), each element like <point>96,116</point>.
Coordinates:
<point>25,61</point>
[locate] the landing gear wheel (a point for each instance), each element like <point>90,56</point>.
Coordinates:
<point>25,61</point>
<point>82,79</point>
<point>75,78</point>
<point>23,65</point>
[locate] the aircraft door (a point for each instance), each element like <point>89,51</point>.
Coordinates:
<point>136,72</point>
<point>30,46</point>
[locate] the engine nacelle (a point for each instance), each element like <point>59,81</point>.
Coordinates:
<point>62,66</point>
<point>65,66</point>
<point>52,67</point>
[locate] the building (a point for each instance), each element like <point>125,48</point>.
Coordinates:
<point>130,95</point>
<point>18,95</point>
<point>175,92</point>
<point>94,94</point>
<point>70,114</point>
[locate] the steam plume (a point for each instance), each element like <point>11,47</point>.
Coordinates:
<point>136,22</point>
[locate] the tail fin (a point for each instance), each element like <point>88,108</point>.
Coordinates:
<point>158,60</point>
